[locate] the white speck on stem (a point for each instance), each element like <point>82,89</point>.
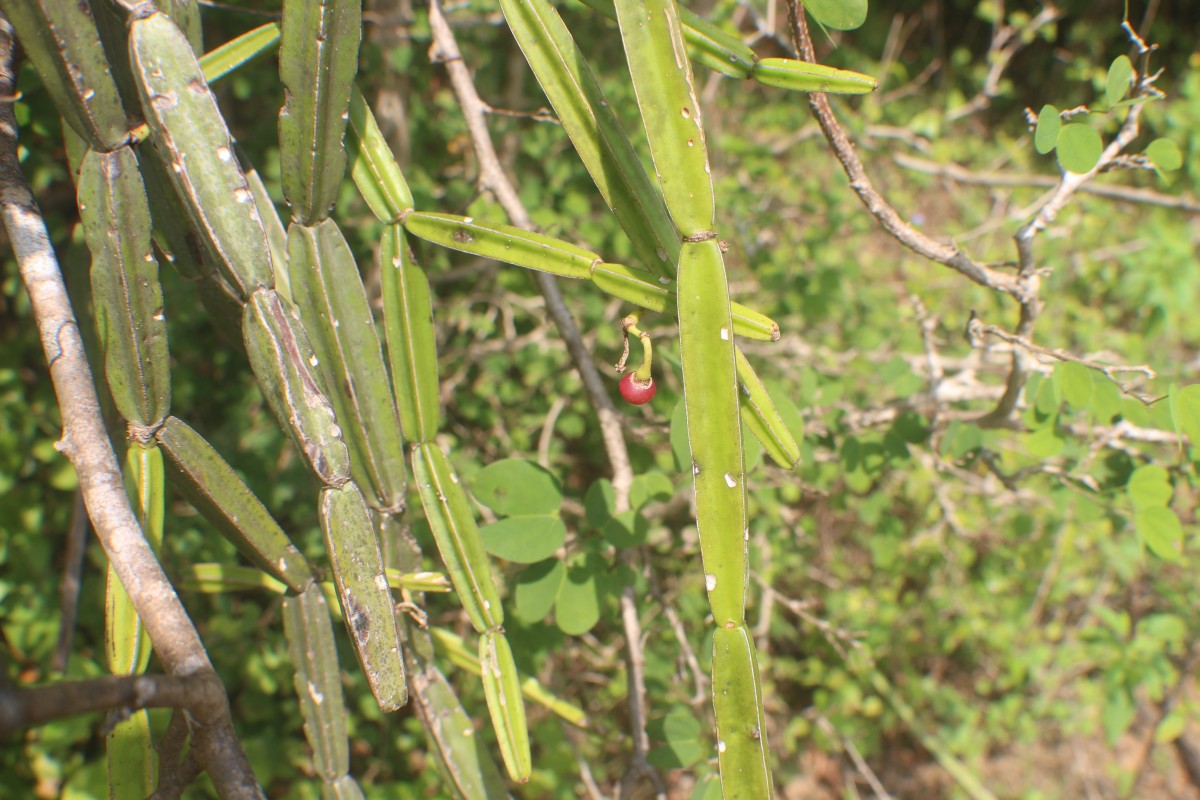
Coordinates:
<point>730,481</point>
<point>721,746</point>
<point>710,581</point>
<point>725,334</point>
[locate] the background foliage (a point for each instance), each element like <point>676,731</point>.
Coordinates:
<point>1024,593</point>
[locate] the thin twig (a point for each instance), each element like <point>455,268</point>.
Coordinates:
<point>72,582</point>
<point>575,736</point>
<point>943,253</point>
<point>1123,194</point>
<point>85,442</point>
<point>976,329</point>
<point>1028,273</point>
<point>1007,41</point>
<point>493,178</point>
<point>860,763</point>
<point>177,767</point>
<point>701,695</point>
<point>837,637</point>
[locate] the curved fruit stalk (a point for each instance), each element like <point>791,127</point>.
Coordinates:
<point>637,387</point>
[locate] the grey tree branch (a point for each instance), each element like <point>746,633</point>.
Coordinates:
<point>85,442</point>
<point>20,708</point>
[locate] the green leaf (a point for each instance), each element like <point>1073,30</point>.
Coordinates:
<point>683,743</point>
<point>599,503</point>
<point>1074,383</point>
<point>537,589</point>
<point>1172,726</point>
<point>1149,487</point>
<point>1079,147</point>
<point>1048,398</point>
<point>1167,629</point>
<point>1044,443</point>
<point>524,539</point>
<point>1189,412</point>
<point>1120,74</point>
<point>961,438</point>
<point>1118,713</point>
<point>627,529</point>
<point>1106,400</point>
<point>1173,410</point>
<point>648,487</point>
<point>1045,135</point>
<point>578,608</point>
<point>517,486</point>
<point>1161,531</point>
<point>1165,155</point>
<point>841,15</point>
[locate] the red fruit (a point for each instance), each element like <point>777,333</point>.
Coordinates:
<point>637,392</point>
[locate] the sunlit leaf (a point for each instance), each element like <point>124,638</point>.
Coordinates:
<point>1045,135</point>
<point>1117,715</point>
<point>627,529</point>
<point>578,607</point>
<point>599,503</point>
<point>841,15</point>
<point>517,486</point>
<point>1172,726</point>
<point>1161,530</point>
<point>682,741</point>
<point>1149,486</point>
<point>524,539</point>
<point>1189,412</point>
<point>1079,147</point>
<point>1075,383</point>
<point>537,589</point>
<point>1120,73</point>
<point>648,487</point>
<point>1165,155</point>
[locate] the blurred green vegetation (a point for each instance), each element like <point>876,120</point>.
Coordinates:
<point>1002,581</point>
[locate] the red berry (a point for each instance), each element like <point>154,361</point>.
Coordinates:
<point>637,392</point>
